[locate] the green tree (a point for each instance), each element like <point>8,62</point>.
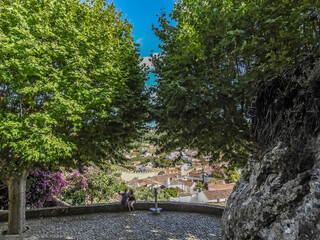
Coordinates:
<point>200,185</point>
<point>233,175</point>
<point>161,162</point>
<point>147,194</point>
<point>171,191</point>
<point>71,89</point>
<point>211,53</point>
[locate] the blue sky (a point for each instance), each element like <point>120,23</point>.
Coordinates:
<point>142,14</point>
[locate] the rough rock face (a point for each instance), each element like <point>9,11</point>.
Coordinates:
<point>278,195</point>
<point>265,206</point>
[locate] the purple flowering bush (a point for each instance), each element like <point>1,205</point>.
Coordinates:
<point>43,187</point>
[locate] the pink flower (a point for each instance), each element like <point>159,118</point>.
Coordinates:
<point>84,183</point>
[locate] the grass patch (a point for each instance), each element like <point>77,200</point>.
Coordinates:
<point>118,168</point>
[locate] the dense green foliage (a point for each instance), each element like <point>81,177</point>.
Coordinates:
<point>71,89</point>
<point>90,186</point>
<point>212,52</point>
<point>161,162</point>
<point>147,194</point>
<point>233,175</point>
<point>173,192</point>
<point>200,185</point>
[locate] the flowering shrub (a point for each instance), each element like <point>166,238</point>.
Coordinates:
<point>217,171</point>
<point>42,187</point>
<point>90,186</point>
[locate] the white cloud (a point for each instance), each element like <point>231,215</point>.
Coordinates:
<point>147,61</point>
<point>139,41</point>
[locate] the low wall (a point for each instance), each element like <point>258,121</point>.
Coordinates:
<point>128,176</point>
<point>115,207</point>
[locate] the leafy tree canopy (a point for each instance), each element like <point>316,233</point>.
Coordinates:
<point>71,89</point>
<point>212,51</point>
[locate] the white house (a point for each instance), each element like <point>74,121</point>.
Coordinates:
<point>183,197</point>
<point>184,158</point>
<point>191,153</point>
<point>174,183</point>
<point>135,163</point>
<point>149,164</point>
<point>195,176</point>
<point>148,154</point>
<point>214,196</point>
<point>188,186</point>
<point>174,154</point>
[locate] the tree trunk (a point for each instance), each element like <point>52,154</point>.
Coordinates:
<point>17,203</point>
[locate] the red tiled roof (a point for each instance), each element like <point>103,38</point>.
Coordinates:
<point>137,182</point>
<point>184,194</point>
<point>195,175</point>
<point>217,194</point>
<point>175,182</point>
<point>187,183</point>
<point>158,179</point>
<point>214,186</point>
<point>219,182</point>
<point>179,190</point>
<point>174,175</point>
<point>143,184</point>
<point>196,164</point>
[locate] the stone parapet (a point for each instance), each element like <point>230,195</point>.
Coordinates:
<point>115,207</point>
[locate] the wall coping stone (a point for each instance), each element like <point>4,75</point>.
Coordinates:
<point>115,207</point>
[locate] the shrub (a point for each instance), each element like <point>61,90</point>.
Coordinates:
<point>42,187</point>
<point>90,186</point>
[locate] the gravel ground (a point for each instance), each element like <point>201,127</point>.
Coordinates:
<point>125,225</point>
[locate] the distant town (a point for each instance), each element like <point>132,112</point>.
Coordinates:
<point>188,172</point>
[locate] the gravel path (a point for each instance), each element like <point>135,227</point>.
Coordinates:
<point>126,225</point>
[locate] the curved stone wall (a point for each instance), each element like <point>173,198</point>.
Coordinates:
<point>115,207</point>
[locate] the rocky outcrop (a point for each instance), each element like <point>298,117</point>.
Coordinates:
<point>269,202</point>
<point>278,196</point>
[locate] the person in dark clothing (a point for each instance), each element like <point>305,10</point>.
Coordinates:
<point>124,197</point>
<point>131,200</point>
